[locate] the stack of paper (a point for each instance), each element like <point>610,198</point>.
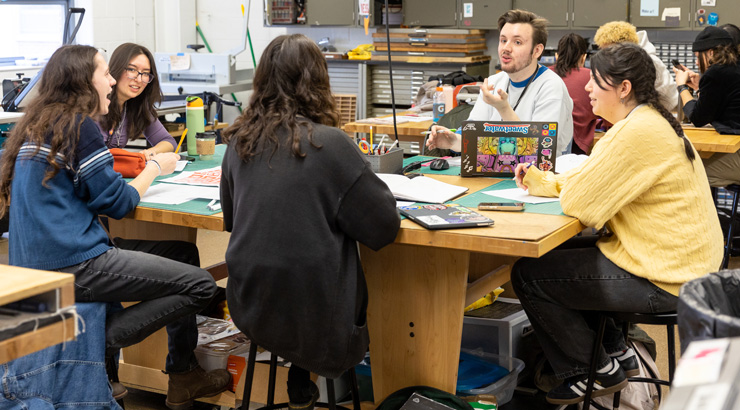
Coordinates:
<point>421,188</point>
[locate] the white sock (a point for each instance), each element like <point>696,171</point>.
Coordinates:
<point>608,368</point>
<point>622,354</point>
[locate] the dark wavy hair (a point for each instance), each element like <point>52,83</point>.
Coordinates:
<point>539,24</point>
<point>570,49</point>
<point>627,61</point>
<point>722,54</point>
<point>140,110</point>
<point>291,90</point>
<point>66,96</point>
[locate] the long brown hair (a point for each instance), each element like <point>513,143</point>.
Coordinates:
<point>140,110</point>
<point>66,96</point>
<point>570,49</point>
<point>627,61</point>
<point>722,54</point>
<point>291,90</point>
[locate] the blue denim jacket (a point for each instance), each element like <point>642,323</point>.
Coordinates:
<point>64,376</point>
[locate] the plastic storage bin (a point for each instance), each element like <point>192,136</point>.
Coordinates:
<point>215,355</point>
<point>388,163</point>
<point>503,388</point>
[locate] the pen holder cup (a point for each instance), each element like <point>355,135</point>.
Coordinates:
<point>389,163</point>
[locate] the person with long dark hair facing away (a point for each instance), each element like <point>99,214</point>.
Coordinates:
<point>657,218</point>
<point>297,196</point>
<point>718,101</point>
<point>131,113</point>
<point>569,65</point>
<point>56,178</point>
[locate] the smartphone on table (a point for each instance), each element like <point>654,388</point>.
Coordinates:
<point>501,206</point>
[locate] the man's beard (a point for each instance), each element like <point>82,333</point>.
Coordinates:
<point>517,69</point>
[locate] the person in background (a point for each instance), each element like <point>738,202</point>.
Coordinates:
<point>297,196</point>
<point>524,90</point>
<point>734,32</point>
<point>634,196</point>
<point>58,173</point>
<point>718,102</point>
<point>132,112</point>
<point>616,32</point>
<point>569,65</point>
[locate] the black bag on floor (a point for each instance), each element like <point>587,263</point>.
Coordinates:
<point>396,399</point>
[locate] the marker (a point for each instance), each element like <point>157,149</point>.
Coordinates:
<point>429,132</point>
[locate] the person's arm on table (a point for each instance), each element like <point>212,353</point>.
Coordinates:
<point>159,164</point>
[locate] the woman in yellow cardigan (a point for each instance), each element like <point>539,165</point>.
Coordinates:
<point>643,187</point>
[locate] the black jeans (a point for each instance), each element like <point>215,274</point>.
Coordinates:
<point>562,293</point>
<point>170,293</point>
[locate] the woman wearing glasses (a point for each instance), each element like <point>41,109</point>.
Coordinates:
<point>131,112</point>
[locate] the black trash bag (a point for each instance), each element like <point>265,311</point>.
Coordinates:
<point>709,307</point>
<point>396,399</point>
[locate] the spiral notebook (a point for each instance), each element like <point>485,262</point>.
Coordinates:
<point>444,216</point>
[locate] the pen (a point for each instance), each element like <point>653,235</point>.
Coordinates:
<point>523,173</point>
<point>381,144</point>
<point>182,138</point>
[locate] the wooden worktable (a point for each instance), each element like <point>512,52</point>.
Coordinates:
<point>21,283</point>
<point>417,288</point>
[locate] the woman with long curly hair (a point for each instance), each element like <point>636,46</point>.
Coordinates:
<point>297,195</point>
<point>57,177</point>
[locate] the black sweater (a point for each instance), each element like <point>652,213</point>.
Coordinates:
<point>719,100</point>
<point>296,286</point>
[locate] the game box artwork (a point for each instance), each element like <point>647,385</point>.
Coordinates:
<point>495,148</point>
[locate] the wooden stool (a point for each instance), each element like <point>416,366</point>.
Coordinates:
<point>669,320</point>
<point>735,189</point>
<point>332,405</point>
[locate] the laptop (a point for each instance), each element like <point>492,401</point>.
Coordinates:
<point>495,148</point>
<point>444,216</point>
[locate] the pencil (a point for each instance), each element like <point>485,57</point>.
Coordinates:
<point>182,138</point>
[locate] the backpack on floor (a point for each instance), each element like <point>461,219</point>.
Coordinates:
<point>636,396</point>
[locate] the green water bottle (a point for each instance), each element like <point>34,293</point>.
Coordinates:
<point>194,121</point>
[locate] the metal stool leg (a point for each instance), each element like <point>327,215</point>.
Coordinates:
<point>730,233</point>
<point>355,389</point>
<point>594,358</point>
<point>272,379</point>
<point>332,395</point>
<point>670,330</point>
<point>249,376</point>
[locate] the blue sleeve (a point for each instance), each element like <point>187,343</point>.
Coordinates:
<point>104,190</point>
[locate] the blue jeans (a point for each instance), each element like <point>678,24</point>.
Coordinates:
<point>65,376</point>
<point>562,293</point>
<point>170,293</point>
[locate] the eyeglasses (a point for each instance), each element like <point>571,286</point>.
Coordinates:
<point>132,73</point>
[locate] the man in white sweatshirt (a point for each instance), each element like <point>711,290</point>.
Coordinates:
<point>524,90</point>
<point>616,32</point>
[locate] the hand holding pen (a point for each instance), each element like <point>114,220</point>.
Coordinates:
<point>441,137</point>
<point>519,172</point>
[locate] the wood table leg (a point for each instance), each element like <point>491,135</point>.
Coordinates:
<point>415,316</point>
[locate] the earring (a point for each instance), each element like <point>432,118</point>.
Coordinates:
<point>621,101</point>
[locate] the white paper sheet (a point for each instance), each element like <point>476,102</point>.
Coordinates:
<point>649,8</point>
<point>180,165</point>
<point>175,194</point>
<point>520,195</point>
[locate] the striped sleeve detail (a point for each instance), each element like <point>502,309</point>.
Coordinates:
<point>92,164</point>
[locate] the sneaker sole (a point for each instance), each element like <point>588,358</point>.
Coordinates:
<point>189,404</point>
<point>596,393</point>
<point>632,373</point>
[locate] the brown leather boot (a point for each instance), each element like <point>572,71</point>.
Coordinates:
<point>185,387</point>
<point>119,390</point>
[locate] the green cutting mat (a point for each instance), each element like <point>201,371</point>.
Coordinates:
<point>426,170</point>
<point>195,206</point>
<point>472,200</point>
